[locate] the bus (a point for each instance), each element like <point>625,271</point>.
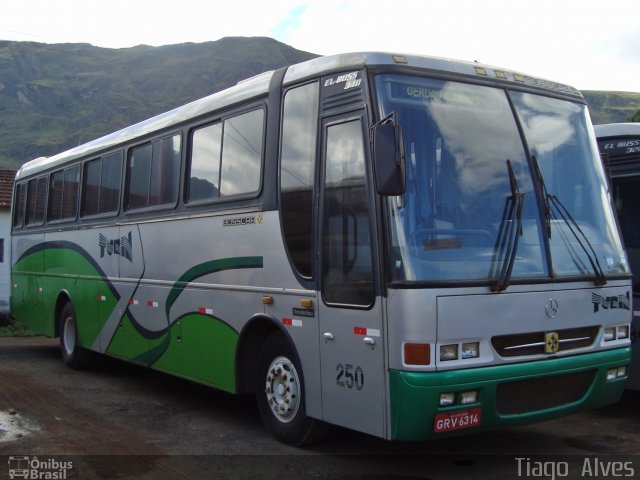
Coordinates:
<point>620,144</point>
<point>19,467</point>
<point>406,246</point>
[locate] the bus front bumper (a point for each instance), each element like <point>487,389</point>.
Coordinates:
<point>508,395</point>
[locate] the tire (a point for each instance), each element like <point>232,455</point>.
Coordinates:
<point>280,395</point>
<point>73,354</point>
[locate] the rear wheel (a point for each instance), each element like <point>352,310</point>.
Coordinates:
<point>280,395</point>
<point>72,353</point>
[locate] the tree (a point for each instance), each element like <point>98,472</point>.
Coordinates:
<point>635,117</point>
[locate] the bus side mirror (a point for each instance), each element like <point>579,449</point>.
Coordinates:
<point>388,159</point>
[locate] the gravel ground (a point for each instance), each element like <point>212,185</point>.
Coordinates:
<point>122,421</point>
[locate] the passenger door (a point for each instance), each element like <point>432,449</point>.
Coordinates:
<point>350,313</point>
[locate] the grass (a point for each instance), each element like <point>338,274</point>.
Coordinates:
<point>12,328</point>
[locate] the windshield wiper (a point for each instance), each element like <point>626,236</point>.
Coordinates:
<point>575,229</point>
<point>552,202</point>
<point>546,207</point>
<point>509,233</point>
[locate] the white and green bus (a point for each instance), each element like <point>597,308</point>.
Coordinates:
<point>406,246</point>
<point>620,142</point>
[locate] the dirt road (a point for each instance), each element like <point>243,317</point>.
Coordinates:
<point>122,421</point>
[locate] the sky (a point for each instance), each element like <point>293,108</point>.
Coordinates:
<point>587,44</point>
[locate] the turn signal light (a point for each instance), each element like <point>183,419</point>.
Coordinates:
<point>417,354</point>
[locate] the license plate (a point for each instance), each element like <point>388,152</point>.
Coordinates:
<point>447,422</point>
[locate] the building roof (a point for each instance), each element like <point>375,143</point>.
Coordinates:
<point>6,187</point>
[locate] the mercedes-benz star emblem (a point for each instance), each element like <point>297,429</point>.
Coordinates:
<point>552,308</point>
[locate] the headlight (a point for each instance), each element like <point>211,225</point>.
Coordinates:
<point>448,352</point>
<point>609,334</point>
<point>447,399</point>
<point>469,397</point>
<point>615,373</point>
<point>471,350</point>
<point>623,332</point>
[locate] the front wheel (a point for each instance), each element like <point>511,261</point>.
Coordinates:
<point>73,354</point>
<point>280,395</point>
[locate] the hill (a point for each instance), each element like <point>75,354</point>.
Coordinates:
<point>56,96</point>
<point>611,107</point>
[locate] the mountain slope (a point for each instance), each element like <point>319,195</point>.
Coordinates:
<point>56,96</point>
<point>53,97</point>
<point>611,107</point>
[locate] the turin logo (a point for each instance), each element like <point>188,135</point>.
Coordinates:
<point>616,301</point>
<point>122,246</point>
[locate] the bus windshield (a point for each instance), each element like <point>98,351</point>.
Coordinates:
<point>476,200</point>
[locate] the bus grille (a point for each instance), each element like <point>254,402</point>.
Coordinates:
<point>541,393</point>
<point>521,344</point>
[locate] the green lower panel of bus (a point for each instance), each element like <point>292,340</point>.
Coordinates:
<point>35,290</point>
<point>198,347</point>
<point>508,395</point>
<point>203,349</point>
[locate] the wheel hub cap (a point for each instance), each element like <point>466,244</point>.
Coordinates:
<point>282,389</point>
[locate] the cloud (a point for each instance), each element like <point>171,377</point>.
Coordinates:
<point>125,23</point>
<point>289,23</point>
<point>563,41</point>
<point>585,44</point>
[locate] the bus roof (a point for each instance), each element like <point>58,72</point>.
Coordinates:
<point>259,85</point>
<point>617,130</point>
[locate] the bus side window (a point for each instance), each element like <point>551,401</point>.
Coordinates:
<point>165,171</point>
<point>110,181</point>
<point>63,194</point>
<point>154,170</point>
<point>242,140</point>
<point>36,199</point>
<point>139,171</point>
<point>204,167</point>
<point>21,203</point>
<point>56,189</point>
<point>297,172</point>
<point>226,158</point>
<point>101,186</point>
<point>70,193</point>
